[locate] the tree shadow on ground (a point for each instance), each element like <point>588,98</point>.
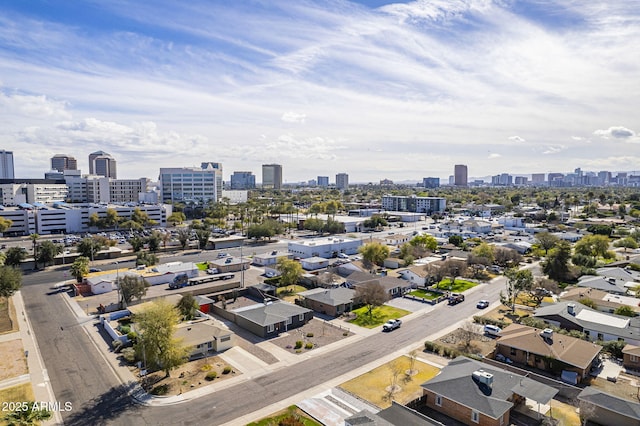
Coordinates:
<point>104,408</point>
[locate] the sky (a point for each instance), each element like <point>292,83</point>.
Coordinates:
<point>373,88</point>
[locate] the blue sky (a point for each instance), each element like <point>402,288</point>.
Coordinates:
<point>376,89</point>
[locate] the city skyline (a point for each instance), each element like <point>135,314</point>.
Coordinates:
<point>396,90</point>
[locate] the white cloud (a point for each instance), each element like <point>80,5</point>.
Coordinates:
<point>554,149</point>
<point>494,155</point>
<point>516,139</point>
<point>617,132</point>
<point>33,106</point>
<point>293,117</point>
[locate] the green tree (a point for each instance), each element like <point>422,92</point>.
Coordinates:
<point>456,240</point>
<point>556,265</point>
<point>47,252</point>
<point>592,245</point>
<point>146,258</point>
<point>374,253</point>
<point>588,302</point>
<point>518,281</point>
<point>290,271</point>
<point>90,246</point>
<point>371,294</point>
<point>156,341</point>
<point>95,221</point>
<point>142,217</point>
<point>154,241</point>
<point>34,242</point>
<point>111,218</point>
<point>79,268</point>
<point>131,286</point>
<point>32,414</point>
<point>15,256</point>
<point>546,241</point>
<point>203,238</point>
<point>137,243</point>
<point>425,242</point>
<point>627,243</point>
<point>375,222</point>
<point>176,218</point>
<point>10,280</point>
<point>188,306</point>
<point>485,251</point>
<point>183,237</point>
<point>625,310</point>
<point>131,225</point>
<point>313,224</point>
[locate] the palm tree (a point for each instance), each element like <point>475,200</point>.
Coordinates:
<point>34,239</point>
<point>32,415</point>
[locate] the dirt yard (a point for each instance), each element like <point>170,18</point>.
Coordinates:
<point>8,320</point>
<point>316,333</point>
<point>189,376</point>
<point>13,362</point>
<point>468,341</point>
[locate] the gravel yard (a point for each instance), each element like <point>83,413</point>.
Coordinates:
<point>316,333</point>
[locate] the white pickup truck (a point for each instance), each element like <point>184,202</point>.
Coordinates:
<point>391,325</point>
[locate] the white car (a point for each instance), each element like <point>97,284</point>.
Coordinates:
<point>343,255</point>
<point>391,325</point>
<point>270,274</point>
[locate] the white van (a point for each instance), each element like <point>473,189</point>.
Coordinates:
<point>492,330</point>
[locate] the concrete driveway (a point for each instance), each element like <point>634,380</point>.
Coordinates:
<point>408,304</point>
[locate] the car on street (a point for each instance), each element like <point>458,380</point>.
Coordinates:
<point>269,274</point>
<point>482,304</point>
<point>343,255</point>
<point>95,270</point>
<point>221,255</point>
<point>391,325</point>
<point>212,271</point>
<point>456,298</point>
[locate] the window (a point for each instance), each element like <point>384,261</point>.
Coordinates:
<point>270,328</point>
<point>288,321</point>
<point>225,338</point>
<point>301,317</point>
<point>600,336</point>
<point>513,351</point>
<point>633,358</point>
<point>475,416</point>
<point>439,400</point>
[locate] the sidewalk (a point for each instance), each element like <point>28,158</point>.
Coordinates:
<point>38,376</point>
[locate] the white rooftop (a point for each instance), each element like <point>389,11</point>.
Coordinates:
<point>602,318</point>
<point>627,300</point>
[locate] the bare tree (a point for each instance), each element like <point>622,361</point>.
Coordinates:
<point>371,294</point>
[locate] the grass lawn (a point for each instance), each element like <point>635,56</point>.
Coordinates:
<point>374,385</point>
<point>18,393</point>
<point>290,290</point>
<point>278,417</point>
<point>425,294</point>
<point>458,287</point>
<point>203,266</point>
<point>564,413</point>
<point>379,315</point>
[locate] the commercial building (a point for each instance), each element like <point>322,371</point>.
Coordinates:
<point>6,164</point>
<point>415,204</point>
<point>323,181</point>
<point>342,181</point>
<point>323,247</point>
<point>61,162</point>
<point>15,192</point>
<point>191,184</point>
<point>102,164</point>
<point>431,182</point>
<point>271,176</point>
<point>460,175</point>
<point>243,180</point>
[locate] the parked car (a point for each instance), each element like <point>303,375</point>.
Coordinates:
<point>482,304</point>
<point>343,255</point>
<point>502,358</point>
<point>95,270</point>
<point>456,298</point>
<point>212,271</point>
<point>221,255</point>
<point>391,325</point>
<point>269,274</point>
<point>492,330</point>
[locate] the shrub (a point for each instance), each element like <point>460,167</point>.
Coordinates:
<point>309,345</point>
<point>117,345</point>
<point>298,344</point>
<point>129,355</point>
<point>429,346</point>
<point>309,334</point>
<point>226,370</point>
<point>205,367</point>
<point>125,329</point>
<point>160,390</point>
<point>132,336</point>
<point>211,375</point>
<point>486,320</point>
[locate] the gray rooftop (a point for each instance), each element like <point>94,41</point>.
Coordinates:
<point>610,402</point>
<point>330,296</point>
<point>270,313</point>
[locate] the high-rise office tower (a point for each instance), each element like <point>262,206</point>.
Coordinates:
<point>6,165</point>
<point>460,175</point>
<point>194,184</point>
<point>243,180</point>
<point>102,164</point>
<point>272,176</point>
<point>342,181</point>
<point>62,162</point>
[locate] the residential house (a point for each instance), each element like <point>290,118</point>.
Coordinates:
<point>619,273</point>
<point>395,415</point>
<point>332,301</point>
<point>417,275</point>
<point>546,350</point>
<point>605,302</point>
<point>475,393</point>
<point>595,324</point>
<point>607,409</point>
<point>100,284</point>
<point>609,284</point>
<point>393,286</point>
<point>393,262</point>
<point>205,336</point>
<point>396,240</point>
<point>272,317</point>
<point>631,357</point>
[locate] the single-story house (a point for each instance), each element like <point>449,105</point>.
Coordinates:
<point>417,275</point>
<point>314,263</point>
<point>546,350</point>
<point>631,357</point>
<point>619,273</point>
<point>473,393</point>
<point>396,415</point>
<point>205,336</point>
<point>230,264</point>
<point>605,302</point>
<point>396,240</point>
<point>609,284</point>
<point>330,301</point>
<point>393,263</point>
<point>101,284</point>
<point>270,258</point>
<point>272,317</point>
<point>607,409</point>
<point>393,286</point>
<point>595,324</point>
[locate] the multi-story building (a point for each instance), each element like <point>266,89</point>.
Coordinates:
<point>243,180</point>
<point>503,179</point>
<point>342,181</point>
<point>189,184</point>
<point>6,165</point>
<point>431,182</point>
<point>61,162</point>
<point>521,180</point>
<point>537,178</point>
<point>412,203</point>
<point>216,168</point>
<point>15,192</point>
<point>102,164</point>
<point>460,174</point>
<point>556,179</point>
<point>272,176</point>
<point>323,181</point>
